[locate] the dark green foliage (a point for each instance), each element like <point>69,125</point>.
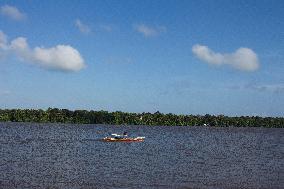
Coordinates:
<point>55,115</point>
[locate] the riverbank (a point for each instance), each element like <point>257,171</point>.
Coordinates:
<point>55,115</point>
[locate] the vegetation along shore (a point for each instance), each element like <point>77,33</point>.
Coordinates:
<point>55,115</point>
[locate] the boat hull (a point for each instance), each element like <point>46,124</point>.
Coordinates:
<point>107,139</point>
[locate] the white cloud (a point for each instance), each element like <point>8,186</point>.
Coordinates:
<point>60,57</point>
<point>148,31</point>
<point>19,44</point>
<point>12,12</point>
<point>83,28</point>
<point>244,59</point>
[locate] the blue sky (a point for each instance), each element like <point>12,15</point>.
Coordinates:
<point>184,57</point>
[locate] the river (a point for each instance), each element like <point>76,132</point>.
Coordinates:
<point>71,156</point>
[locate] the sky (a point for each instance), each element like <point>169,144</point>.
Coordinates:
<point>182,57</point>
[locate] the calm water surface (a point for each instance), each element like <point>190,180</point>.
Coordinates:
<point>71,156</point>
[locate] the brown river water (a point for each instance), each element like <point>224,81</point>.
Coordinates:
<point>69,156</point>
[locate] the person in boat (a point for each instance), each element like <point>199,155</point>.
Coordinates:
<point>124,135</point>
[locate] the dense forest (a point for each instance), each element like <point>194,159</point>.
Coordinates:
<point>55,115</point>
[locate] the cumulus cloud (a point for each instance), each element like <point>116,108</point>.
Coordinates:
<point>12,12</point>
<point>244,59</point>
<point>60,57</point>
<point>83,28</point>
<point>63,57</point>
<point>148,31</point>
<point>19,44</point>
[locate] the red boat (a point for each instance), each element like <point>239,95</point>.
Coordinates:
<point>122,138</point>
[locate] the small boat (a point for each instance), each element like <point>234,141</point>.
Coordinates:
<point>122,138</point>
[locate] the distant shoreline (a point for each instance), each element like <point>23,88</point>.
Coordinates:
<point>55,115</point>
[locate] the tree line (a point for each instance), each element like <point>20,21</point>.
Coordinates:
<point>55,115</point>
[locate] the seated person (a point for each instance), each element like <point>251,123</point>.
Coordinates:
<point>116,136</point>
